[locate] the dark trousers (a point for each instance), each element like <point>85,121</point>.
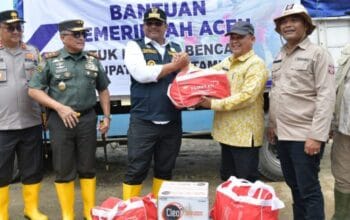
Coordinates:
<point>73,149</point>
<point>241,162</point>
<point>147,140</point>
<point>301,175</point>
<point>27,144</point>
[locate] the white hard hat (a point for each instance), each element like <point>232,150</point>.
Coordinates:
<point>293,9</point>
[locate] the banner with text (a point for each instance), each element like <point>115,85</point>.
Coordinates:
<point>198,26</point>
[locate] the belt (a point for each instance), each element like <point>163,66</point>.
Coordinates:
<point>84,112</point>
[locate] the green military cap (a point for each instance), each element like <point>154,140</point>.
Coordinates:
<point>155,13</point>
<point>71,25</point>
<point>10,16</point>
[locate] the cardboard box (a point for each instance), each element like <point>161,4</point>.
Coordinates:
<point>183,200</point>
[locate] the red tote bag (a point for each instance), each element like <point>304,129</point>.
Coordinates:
<point>140,208</point>
<point>239,199</point>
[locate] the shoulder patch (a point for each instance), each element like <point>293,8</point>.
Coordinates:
<point>331,69</point>
<point>49,55</point>
<point>93,54</point>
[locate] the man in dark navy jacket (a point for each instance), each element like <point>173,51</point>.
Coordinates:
<point>155,124</point>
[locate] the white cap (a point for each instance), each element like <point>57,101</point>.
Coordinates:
<point>293,9</point>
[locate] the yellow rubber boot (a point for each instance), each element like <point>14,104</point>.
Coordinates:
<point>65,194</point>
<point>157,183</point>
<point>30,194</point>
<point>88,189</point>
<point>131,191</point>
<point>4,203</point>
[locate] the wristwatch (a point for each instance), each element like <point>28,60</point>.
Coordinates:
<point>108,116</point>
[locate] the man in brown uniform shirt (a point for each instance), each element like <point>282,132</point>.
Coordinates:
<point>302,99</point>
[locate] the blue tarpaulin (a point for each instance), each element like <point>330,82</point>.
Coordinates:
<point>316,8</point>
<point>327,8</point>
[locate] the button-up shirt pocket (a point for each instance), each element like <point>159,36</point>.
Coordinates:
<point>301,77</point>
<point>275,73</point>
<point>91,77</point>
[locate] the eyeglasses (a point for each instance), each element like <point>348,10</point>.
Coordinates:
<point>12,28</point>
<point>156,23</point>
<point>77,34</point>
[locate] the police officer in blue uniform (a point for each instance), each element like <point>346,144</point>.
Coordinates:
<point>155,129</point>
<point>71,77</point>
<point>20,122</point>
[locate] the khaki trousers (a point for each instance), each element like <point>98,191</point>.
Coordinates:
<point>340,158</point>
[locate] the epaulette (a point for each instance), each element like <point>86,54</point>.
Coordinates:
<point>48,55</point>
<point>28,46</point>
<point>93,54</point>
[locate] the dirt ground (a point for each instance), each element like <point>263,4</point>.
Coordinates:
<point>198,161</point>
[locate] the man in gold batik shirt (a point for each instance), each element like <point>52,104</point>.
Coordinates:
<point>239,119</point>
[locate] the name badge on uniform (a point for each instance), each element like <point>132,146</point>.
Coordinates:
<point>29,57</point>
<point>61,70</point>
<point>58,60</point>
<point>60,67</point>
<point>3,77</point>
<point>91,66</point>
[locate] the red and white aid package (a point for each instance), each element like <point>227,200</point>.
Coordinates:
<point>190,86</point>
<point>239,199</point>
<point>141,208</point>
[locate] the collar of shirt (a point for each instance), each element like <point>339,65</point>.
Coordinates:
<point>14,51</point>
<point>302,45</point>
<point>65,54</point>
<point>242,58</point>
<point>345,55</point>
<point>346,50</point>
<point>157,46</point>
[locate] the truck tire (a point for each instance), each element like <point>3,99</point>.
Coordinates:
<point>269,164</point>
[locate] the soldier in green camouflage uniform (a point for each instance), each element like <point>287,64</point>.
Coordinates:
<point>71,78</point>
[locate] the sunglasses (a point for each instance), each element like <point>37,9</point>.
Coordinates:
<point>12,28</point>
<point>237,37</point>
<point>77,34</point>
<point>156,23</point>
